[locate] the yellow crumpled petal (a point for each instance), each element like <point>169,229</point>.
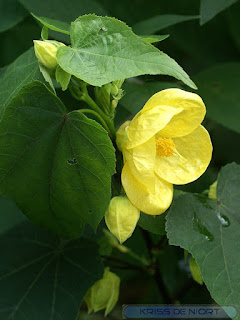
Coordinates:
<point>138,194</point>
<point>121,218</point>
<point>191,116</point>
<point>194,155</point>
<point>121,134</point>
<point>145,126</point>
<point>141,161</point>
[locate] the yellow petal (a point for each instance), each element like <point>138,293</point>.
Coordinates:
<point>121,218</point>
<point>141,161</point>
<point>145,125</point>
<point>193,156</point>
<point>138,194</point>
<point>121,134</point>
<point>192,111</point>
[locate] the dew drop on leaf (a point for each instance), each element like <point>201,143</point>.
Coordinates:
<point>200,228</point>
<point>225,222</point>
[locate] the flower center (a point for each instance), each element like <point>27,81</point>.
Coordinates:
<point>165,147</point>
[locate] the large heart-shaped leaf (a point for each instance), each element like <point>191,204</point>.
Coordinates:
<point>66,11</point>
<point>56,166</point>
<point>42,277</point>
<point>105,49</point>
<point>159,22</point>
<point>154,224</point>
<point>209,9</point>
<point>10,215</point>
<point>210,231</point>
<point>219,88</point>
<point>22,71</point>
<point>11,13</point>
<point>137,93</point>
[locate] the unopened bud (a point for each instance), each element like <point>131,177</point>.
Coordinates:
<point>195,271</point>
<point>45,52</point>
<point>121,134</point>
<point>104,293</point>
<point>114,90</point>
<point>121,218</point>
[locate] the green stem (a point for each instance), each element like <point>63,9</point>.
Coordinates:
<point>132,254</point>
<point>97,116</point>
<point>135,256</point>
<point>84,96</point>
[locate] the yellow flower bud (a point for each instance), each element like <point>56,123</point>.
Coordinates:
<point>212,193</point>
<point>104,293</point>
<point>45,52</point>
<point>121,135</point>
<point>121,218</point>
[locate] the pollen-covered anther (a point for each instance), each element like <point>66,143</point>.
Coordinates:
<point>165,147</point>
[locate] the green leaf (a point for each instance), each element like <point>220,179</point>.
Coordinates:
<point>18,40</point>
<point>59,164</point>
<point>234,23</point>
<point>105,49</point>
<point>219,88</point>
<point>45,73</point>
<point>67,11</point>
<point>22,71</point>
<point>154,38</point>
<point>209,230</point>
<point>42,277</point>
<point>11,13</point>
<point>157,23</point>
<point>62,77</point>
<point>10,214</point>
<point>55,25</point>
<point>2,70</point>
<point>44,33</point>
<point>154,224</point>
<point>209,9</point>
<point>138,93</point>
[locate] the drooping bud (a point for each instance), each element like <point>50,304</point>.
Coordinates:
<point>116,93</point>
<point>45,52</point>
<point>104,293</point>
<point>108,95</point>
<point>195,271</point>
<point>212,193</point>
<point>121,218</point>
<point>114,90</point>
<point>121,134</point>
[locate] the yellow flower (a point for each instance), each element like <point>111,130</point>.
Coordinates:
<point>165,145</point>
